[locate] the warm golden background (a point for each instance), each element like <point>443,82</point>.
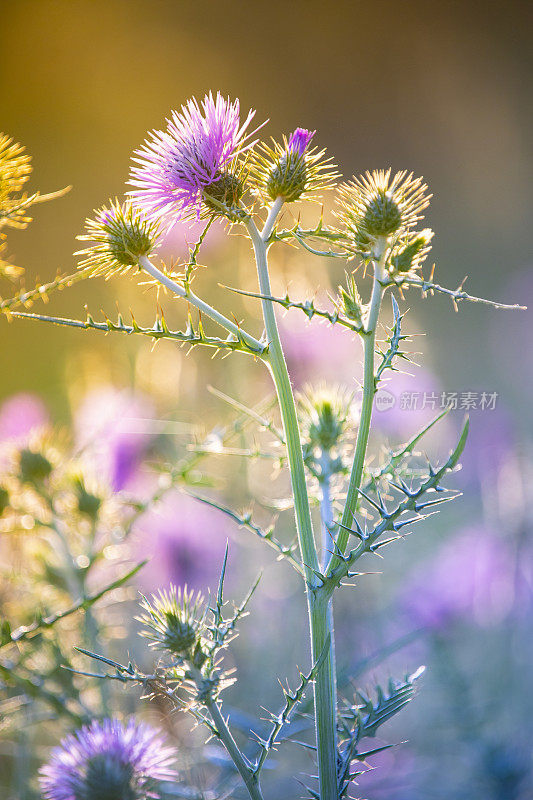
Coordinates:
<point>439,88</point>
<point>442,89</point>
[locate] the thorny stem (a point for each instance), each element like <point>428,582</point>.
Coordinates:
<point>319,606</point>
<point>226,737</point>
<point>200,304</point>
<point>369,390</point>
<point>245,770</point>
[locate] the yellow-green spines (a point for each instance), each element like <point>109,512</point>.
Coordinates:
<point>350,301</point>
<point>376,206</point>
<point>174,621</point>
<point>409,254</point>
<point>15,167</point>
<point>288,178</point>
<point>382,215</point>
<point>278,171</point>
<point>120,235</point>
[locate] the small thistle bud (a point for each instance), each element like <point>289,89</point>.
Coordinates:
<point>410,254</point>
<point>291,170</point>
<point>382,215</point>
<point>324,412</point>
<point>34,467</point>
<point>174,621</point>
<point>120,236</point>
<point>376,207</point>
<point>350,301</point>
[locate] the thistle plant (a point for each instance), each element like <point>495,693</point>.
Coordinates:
<point>347,508</point>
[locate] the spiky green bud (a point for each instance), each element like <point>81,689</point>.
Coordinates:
<point>288,178</point>
<point>409,256</point>
<point>120,235</point>
<point>350,301</point>
<point>324,412</point>
<point>377,207</point>
<point>174,621</point>
<point>291,170</point>
<point>382,215</point>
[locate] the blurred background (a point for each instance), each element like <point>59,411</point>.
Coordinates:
<point>442,89</point>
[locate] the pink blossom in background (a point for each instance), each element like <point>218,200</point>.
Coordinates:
<point>184,540</point>
<point>184,235</point>
<point>414,399</point>
<point>116,428</point>
<point>316,350</point>
<point>470,578</point>
<point>20,414</point>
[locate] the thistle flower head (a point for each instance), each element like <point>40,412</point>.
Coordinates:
<point>120,235</point>
<point>174,620</point>
<point>108,761</point>
<point>291,170</point>
<point>179,170</point>
<point>374,206</point>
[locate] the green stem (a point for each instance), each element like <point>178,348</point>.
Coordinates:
<point>320,617</point>
<point>369,390</point>
<point>247,774</point>
<point>200,304</point>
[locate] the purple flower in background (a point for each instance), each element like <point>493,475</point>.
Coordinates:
<point>407,401</point>
<point>108,761</point>
<point>115,427</point>
<point>320,351</point>
<point>185,541</point>
<point>176,165</point>
<point>300,140</point>
<point>470,578</point>
<point>20,414</point>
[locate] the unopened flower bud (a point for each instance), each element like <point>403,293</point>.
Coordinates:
<point>410,256</point>
<point>120,235</point>
<point>350,301</point>
<point>174,621</point>
<point>376,207</point>
<point>291,170</point>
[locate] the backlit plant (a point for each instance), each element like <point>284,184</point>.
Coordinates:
<point>204,165</point>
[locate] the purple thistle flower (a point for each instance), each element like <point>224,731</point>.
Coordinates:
<point>108,761</point>
<point>176,165</point>
<point>300,140</point>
